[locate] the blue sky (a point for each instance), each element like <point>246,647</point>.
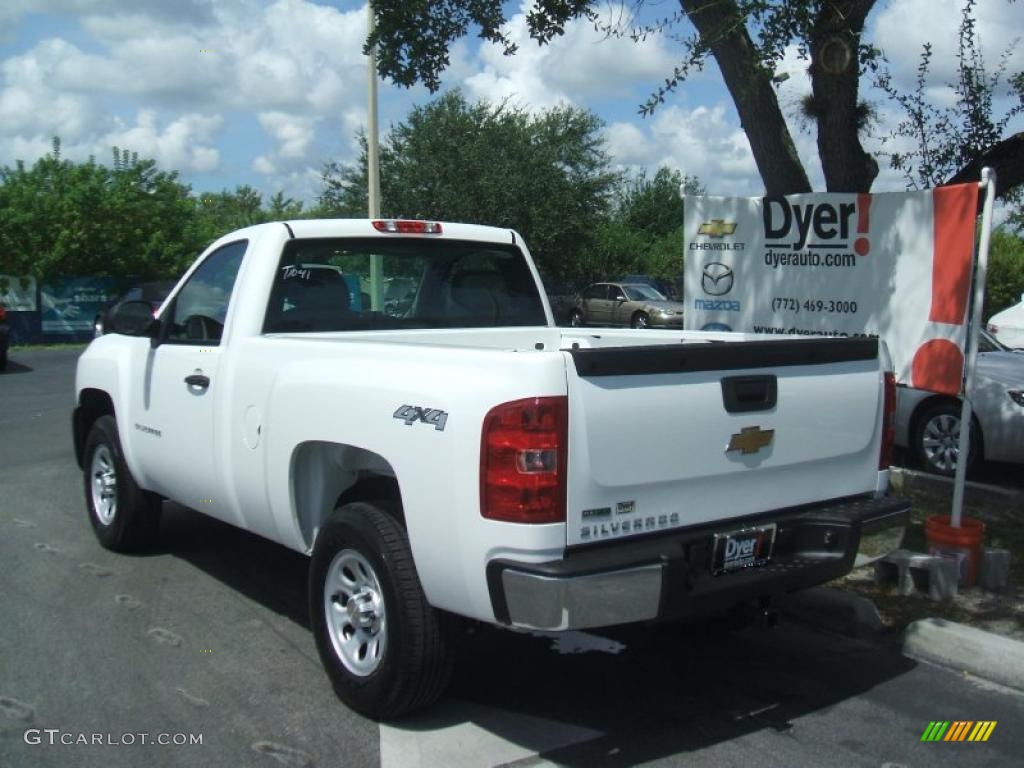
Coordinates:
<point>262,92</point>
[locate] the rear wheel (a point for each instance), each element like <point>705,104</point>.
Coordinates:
<point>124,517</point>
<point>641,320</point>
<point>383,646</point>
<point>936,439</point>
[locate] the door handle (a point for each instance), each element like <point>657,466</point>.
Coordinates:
<point>198,380</point>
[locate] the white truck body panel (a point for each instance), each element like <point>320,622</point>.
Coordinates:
<point>291,420</point>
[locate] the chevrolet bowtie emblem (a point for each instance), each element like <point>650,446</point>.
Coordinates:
<point>750,440</point>
<point>717,228</point>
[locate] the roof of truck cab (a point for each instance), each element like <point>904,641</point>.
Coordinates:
<point>309,228</point>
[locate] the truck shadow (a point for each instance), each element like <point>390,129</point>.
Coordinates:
<point>268,573</point>
<point>608,697</point>
<point>651,692</point>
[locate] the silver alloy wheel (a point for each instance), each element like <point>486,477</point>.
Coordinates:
<point>354,608</point>
<point>576,319</point>
<point>641,321</point>
<point>940,440</point>
<point>104,485</point>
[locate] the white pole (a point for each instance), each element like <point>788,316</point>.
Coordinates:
<point>988,183</point>
<point>373,163</point>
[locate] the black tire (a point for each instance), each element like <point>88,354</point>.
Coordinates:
<point>3,359</point>
<point>641,320</point>
<point>936,430</point>
<point>124,517</point>
<point>402,647</point>
<point>576,319</point>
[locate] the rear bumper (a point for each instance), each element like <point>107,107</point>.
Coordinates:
<point>670,576</point>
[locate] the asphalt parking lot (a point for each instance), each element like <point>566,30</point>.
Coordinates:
<point>208,635</point>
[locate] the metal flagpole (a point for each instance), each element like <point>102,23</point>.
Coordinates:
<point>987,183</point>
<point>373,164</point>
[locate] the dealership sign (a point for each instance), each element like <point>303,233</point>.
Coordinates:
<point>894,265</point>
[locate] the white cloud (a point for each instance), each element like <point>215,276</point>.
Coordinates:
<point>581,63</point>
<point>293,133</point>
<point>185,143</point>
<point>902,28</point>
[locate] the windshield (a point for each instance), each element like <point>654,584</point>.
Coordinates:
<point>638,292</point>
<point>355,284</point>
<point>988,343</point>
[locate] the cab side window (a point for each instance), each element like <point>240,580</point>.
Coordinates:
<point>201,305</point>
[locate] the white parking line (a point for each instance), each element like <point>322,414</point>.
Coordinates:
<point>457,734</point>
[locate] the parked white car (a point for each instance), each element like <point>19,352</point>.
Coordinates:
<point>929,424</point>
<point>1008,326</point>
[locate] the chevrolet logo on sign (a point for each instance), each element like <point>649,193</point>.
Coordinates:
<point>717,228</point>
<point>750,440</point>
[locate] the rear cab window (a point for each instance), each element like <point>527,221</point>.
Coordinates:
<point>352,284</point>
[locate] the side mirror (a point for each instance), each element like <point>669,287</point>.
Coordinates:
<point>133,318</point>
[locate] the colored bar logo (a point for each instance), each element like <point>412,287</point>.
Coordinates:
<point>958,730</point>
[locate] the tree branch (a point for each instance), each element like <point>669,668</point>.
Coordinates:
<point>722,28</point>
<point>1005,157</point>
<point>835,76</point>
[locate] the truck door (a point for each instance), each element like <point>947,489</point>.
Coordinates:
<point>176,404</point>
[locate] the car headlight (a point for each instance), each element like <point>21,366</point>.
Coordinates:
<point>664,312</point>
<point>1016,395</point>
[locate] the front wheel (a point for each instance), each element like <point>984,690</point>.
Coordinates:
<point>641,320</point>
<point>936,439</point>
<point>576,319</point>
<point>383,646</point>
<point>124,517</point>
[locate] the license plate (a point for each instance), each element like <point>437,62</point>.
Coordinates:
<point>745,548</point>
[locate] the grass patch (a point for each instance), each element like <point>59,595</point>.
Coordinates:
<point>1000,612</point>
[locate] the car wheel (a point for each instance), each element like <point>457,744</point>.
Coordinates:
<point>641,320</point>
<point>97,327</point>
<point>936,439</point>
<point>576,319</point>
<point>385,649</point>
<point>3,359</point>
<point>124,517</point>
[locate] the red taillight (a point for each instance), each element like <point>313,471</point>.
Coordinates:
<point>406,227</point>
<point>523,461</point>
<point>888,422</point>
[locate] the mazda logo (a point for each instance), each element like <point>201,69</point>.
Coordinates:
<point>717,279</point>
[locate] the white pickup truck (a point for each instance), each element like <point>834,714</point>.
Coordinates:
<point>393,399</point>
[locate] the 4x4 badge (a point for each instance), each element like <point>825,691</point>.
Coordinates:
<point>410,414</point>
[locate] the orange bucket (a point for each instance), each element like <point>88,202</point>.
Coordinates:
<point>962,544</point>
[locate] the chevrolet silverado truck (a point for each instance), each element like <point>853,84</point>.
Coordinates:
<point>457,453</point>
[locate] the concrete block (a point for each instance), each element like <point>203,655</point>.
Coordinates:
<point>943,579</point>
<point>918,572</point>
<point>994,569</point>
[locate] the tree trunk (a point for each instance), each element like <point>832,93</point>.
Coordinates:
<point>721,26</point>
<point>1006,158</point>
<point>835,74</point>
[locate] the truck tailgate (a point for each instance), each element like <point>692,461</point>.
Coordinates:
<point>667,436</point>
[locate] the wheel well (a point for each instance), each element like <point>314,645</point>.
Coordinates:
<point>326,475</point>
<point>92,403</point>
<point>934,400</point>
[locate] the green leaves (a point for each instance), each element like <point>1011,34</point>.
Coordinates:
<point>129,220</point>
<point>546,174</point>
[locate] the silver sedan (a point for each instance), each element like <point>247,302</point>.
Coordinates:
<point>929,424</point>
<point>627,304</point>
